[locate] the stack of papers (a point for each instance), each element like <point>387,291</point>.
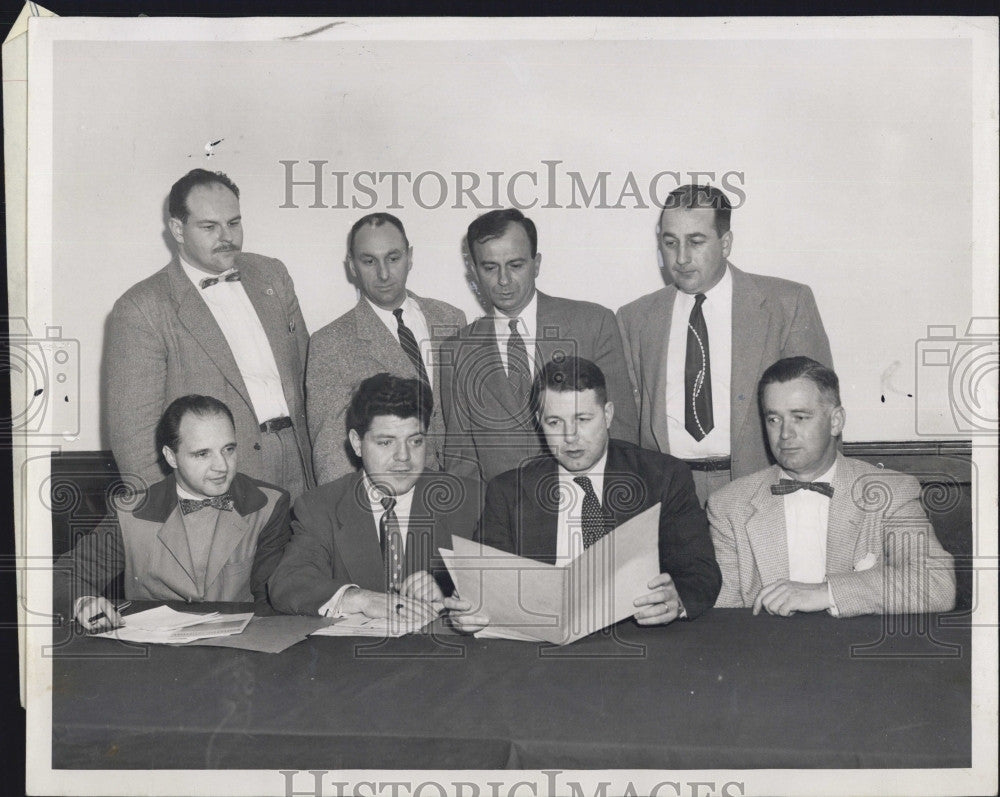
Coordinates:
<point>360,625</point>
<point>163,625</point>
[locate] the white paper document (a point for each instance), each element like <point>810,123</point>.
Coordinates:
<point>163,625</point>
<point>527,599</point>
<point>360,625</point>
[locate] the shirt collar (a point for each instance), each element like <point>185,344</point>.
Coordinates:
<point>527,320</point>
<point>388,318</point>
<point>595,472</point>
<point>196,275</point>
<point>718,295</point>
<point>375,496</point>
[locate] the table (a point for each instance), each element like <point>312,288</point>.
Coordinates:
<point>728,690</point>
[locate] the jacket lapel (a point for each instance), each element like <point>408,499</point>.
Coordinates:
<point>842,526</point>
<point>537,525</point>
<point>751,321</point>
<point>230,530</point>
<point>174,539</point>
<point>490,368</point>
<point>655,335</point>
<point>355,537</point>
<point>379,344</point>
<point>194,314</point>
<point>766,530</point>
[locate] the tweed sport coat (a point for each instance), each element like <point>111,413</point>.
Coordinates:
<point>772,318</point>
<point>882,555</point>
<point>488,431</point>
<point>162,342</point>
<point>352,348</point>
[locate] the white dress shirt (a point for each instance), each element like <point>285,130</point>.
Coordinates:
<point>414,318</point>
<point>807,516</point>
<point>404,504</point>
<point>718,312</point>
<point>569,524</point>
<point>241,327</point>
<point>527,327</point>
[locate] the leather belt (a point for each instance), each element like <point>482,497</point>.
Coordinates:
<point>710,464</point>
<point>276,424</point>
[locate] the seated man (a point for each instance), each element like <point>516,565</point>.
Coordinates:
<point>821,531</point>
<point>204,533</point>
<point>575,415</point>
<point>368,541</point>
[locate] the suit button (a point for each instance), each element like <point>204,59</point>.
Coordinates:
<point>256,446</point>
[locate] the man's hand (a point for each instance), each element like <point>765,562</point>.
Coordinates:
<point>387,604</point>
<point>662,605</point>
<point>97,614</point>
<point>787,597</point>
<point>422,586</point>
<point>462,618</point>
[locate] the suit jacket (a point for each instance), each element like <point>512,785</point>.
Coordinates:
<point>149,544</point>
<point>882,555</point>
<point>772,318</point>
<point>352,348</point>
<point>163,342</point>
<point>488,429</point>
<point>517,520</point>
<point>335,539</point>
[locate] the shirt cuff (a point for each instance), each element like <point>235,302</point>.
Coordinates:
<point>332,607</point>
<point>833,605</point>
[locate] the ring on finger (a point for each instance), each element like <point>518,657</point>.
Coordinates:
<point>399,608</point>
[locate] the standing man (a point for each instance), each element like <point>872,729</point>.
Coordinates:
<point>487,370</point>
<point>820,531</point>
<point>390,329</point>
<point>368,542</point>
<point>697,348</point>
<point>598,484</point>
<point>204,533</point>
<point>215,321</point>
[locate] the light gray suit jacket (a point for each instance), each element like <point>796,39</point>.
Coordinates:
<point>488,429</point>
<point>772,318</point>
<point>162,342</point>
<point>882,555</point>
<point>352,348</point>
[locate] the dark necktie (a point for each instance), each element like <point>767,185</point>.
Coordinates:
<point>593,521</point>
<point>391,542</point>
<point>223,502</point>
<point>786,486</point>
<point>698,418</point>
<point>409,344</point>
<point>208,282</point>
<point>518,367</point>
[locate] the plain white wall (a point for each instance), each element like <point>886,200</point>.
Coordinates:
<point>855,158</point>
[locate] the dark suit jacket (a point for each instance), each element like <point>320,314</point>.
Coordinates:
<point>335,539</point>
<point>515,519</point>
<point>163,342</point>
<point>149,544</point>
<point>772,318</point>
<point>352,348</point>
<point>488,431</point>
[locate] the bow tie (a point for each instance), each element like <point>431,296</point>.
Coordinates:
<point>222,502</point>
<point>786,486</point>
<point>232,276</point>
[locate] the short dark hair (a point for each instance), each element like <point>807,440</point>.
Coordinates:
<point>690,197</point>
<point>375,220</point>
<point>168,430</point>
<point>801,368</point>
<point>495,223</point>
<point>177,204</point>
<point>566,374</point>
<point>386,394</point>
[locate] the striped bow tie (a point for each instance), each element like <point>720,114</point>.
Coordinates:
<point>222,502</point>
<point>232,276</point>
<point>786,486</point>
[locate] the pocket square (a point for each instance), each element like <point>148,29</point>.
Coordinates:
<point>866,562</point>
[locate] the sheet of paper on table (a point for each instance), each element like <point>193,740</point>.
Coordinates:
<point>527,599</point>
<point>268,634</point>
<point>164,625</point>
<point>360,625</point>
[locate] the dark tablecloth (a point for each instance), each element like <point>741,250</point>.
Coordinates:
<point>728,690</point>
